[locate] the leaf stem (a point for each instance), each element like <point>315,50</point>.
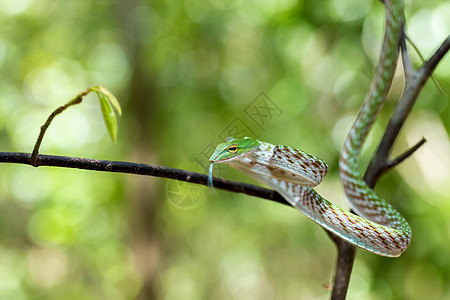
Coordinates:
<point>74,101</point>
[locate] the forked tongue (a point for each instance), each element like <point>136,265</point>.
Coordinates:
<point>210,182</point>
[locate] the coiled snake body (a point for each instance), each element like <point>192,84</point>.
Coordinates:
<point>379,228</point>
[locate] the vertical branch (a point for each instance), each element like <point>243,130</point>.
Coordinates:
<point>344,267</point>
<point>381,162</point>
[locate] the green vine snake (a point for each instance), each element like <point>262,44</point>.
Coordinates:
<point>378,227</point>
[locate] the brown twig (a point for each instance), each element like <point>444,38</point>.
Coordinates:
<point>50,118</point>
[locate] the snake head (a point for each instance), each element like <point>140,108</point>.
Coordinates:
<point>232,149</point>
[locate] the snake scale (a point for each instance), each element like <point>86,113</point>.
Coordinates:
<point>378,227</point>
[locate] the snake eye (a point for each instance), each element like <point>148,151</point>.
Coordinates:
<point>232,149</point>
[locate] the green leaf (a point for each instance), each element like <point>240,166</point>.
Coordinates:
<point>108,114</point>
<point>112,99</point>
<point>107,102</point>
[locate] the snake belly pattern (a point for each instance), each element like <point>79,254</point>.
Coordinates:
<point>379,228</point>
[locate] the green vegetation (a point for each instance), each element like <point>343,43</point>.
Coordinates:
<point>189,74</point>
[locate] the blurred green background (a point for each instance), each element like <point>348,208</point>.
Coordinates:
<point>188,74</point>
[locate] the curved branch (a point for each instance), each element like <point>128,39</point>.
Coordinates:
<point>74,101</point>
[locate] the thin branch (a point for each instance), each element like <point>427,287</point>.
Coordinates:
<point>429,66</point>
<point>384,163</point>
<point>50,118</point>
<point>392,163</point>
<point>141,169</point>
<point>422,59</point>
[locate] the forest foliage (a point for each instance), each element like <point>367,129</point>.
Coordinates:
<point>189,74</point>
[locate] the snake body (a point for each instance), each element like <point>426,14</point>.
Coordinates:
<point>379,228</point>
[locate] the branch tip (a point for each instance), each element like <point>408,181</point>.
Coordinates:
<point>392,163</point>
